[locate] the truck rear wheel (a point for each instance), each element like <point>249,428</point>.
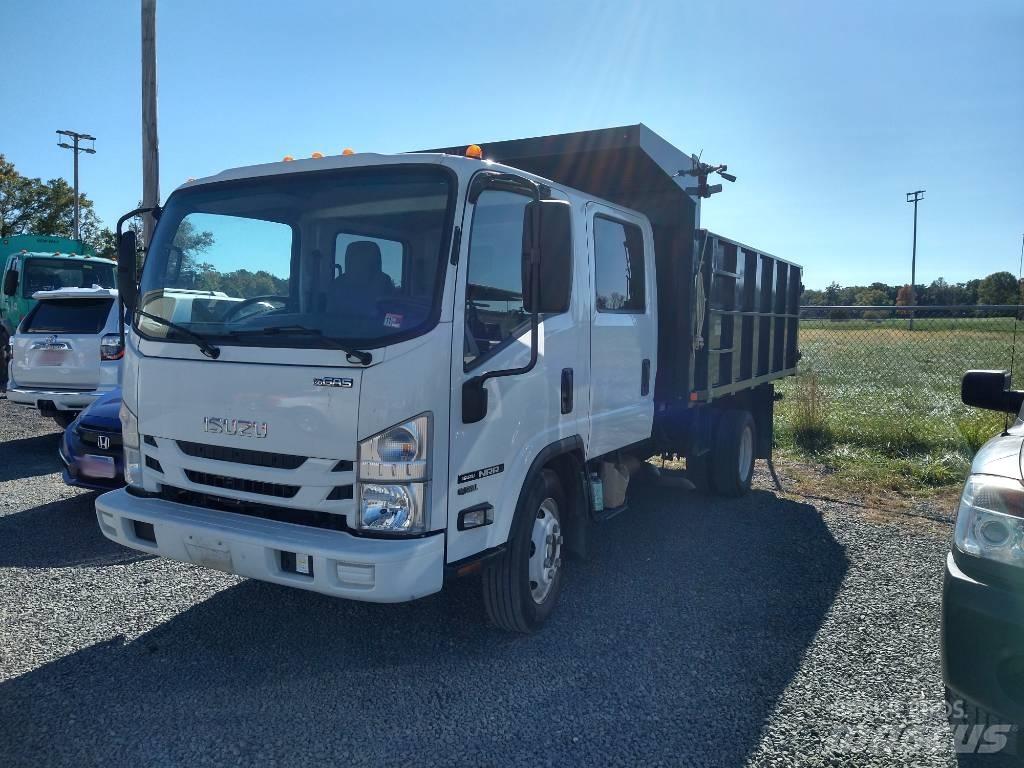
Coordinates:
<point>522,585</point>
<point>732,455</point>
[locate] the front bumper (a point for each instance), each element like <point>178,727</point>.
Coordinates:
<point>71,452</point>
<point>374,570</point>
<point>62,400</point>
<point>983,643</point>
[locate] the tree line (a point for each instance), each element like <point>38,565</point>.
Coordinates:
<point>997,288</point>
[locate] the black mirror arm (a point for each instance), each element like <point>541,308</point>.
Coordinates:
<point>155,210</point>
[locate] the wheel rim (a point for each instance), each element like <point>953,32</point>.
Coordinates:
<point>746,453</point>
<point>545,550</point>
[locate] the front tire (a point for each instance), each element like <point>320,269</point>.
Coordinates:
<point>521,586</point>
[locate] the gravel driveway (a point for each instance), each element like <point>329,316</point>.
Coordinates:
<point>763,631</point>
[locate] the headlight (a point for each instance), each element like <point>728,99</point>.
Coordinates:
<point>990,520</point>
<point>394,467</point>
<point>397,453</point>
<point>392,508</point>
<point>130,441</point>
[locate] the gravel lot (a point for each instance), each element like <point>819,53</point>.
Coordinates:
<point>765,632</point>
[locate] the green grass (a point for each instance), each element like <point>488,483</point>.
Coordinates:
<point>880,406</point>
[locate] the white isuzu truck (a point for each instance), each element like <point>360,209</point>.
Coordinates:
<point>430,365</point>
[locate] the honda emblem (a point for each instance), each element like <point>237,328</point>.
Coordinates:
<point>103,442</point>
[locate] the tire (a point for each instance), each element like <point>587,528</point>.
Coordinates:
<point>698,471</point>
<point>515,599</point>
<point>64,418</point>
<point>732,455</point>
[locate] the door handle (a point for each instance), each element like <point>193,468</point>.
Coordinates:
<point>566,390</point>
<point>645,378</point>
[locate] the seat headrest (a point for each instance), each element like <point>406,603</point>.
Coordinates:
<point>362,258</point>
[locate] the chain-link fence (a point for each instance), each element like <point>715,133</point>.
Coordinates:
<point>883,383</point>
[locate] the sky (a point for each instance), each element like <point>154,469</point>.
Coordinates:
<point>828,112</point>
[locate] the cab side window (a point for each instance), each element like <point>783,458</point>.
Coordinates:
<point>618,266</point>
<point>494,284</point>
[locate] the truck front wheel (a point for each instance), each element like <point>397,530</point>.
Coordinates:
<point>522,585</point>
<point>732,455</point>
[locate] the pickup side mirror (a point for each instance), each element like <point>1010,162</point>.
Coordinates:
<point>10,282</point>
<point>127,282</point>
<point>553,243</point>
<point>990,390</point>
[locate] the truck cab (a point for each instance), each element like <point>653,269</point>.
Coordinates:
<point>450,368</point>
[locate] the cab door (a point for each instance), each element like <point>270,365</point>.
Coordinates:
<point>526,412</point>
<point>623,337</point>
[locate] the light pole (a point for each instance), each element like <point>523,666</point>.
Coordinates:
<point>915,198</point>
<point>76,148</point>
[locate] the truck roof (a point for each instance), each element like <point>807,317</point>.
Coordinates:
<point>59,255</point>
<point>77,293</point>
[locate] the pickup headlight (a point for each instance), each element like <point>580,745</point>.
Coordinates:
<point>130,441</point>
<point>990,520</point>
<point>394,467</point>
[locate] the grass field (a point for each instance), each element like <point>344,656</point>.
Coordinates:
<point>879,406</point>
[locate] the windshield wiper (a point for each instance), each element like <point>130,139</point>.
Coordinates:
<point>205,346</point>
<point>363,358</point>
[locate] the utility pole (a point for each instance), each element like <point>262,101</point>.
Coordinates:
<point>915,198</point>
<point>76,147</point>
<point>150,143</point>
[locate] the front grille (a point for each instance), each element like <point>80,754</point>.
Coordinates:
<point>244,486</point>
<point>91,437</point>
<point>340,492</point>
<point>306,517</point>
<point>241,455</point>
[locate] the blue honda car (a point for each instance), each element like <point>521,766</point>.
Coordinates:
<point>91,446</point>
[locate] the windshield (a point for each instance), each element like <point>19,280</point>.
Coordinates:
<point>51,274</point>
<point>355,255</point>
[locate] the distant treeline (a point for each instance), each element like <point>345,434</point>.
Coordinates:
<point>997,288</point>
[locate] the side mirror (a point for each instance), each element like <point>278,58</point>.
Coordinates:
<point>127,282</point>
<point>990,390</point>
<point>474,400</point>
<point>554,247</point>
<point>10,283</point>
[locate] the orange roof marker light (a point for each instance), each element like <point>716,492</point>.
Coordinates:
<point>474,151</point>
<point>317,155</point>
<point>287,159</point>
<point>348,151</point>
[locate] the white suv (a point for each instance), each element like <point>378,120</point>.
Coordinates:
<point>67,352</point>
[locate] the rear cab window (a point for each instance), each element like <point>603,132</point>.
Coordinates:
<point>68,316</point>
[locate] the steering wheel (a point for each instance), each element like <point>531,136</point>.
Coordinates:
<point>237,309</point>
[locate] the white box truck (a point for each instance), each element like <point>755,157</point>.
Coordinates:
<point>443,363</point>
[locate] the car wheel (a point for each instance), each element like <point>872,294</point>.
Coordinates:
<point>522,585</point>
<point>732,456</point>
